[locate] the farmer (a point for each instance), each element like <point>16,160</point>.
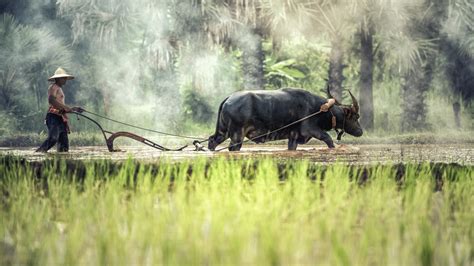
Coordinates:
<point>56,118</point>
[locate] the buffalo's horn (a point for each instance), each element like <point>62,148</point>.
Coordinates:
<point>330,96</point>
<point>355,104</point>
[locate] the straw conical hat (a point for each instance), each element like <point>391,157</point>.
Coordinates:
<point>60,73</point>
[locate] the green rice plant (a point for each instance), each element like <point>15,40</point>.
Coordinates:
<point>234,211</point>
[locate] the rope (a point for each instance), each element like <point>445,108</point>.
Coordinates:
<point>204,140</point>
<point>273,131</point>
<point>142,128</point>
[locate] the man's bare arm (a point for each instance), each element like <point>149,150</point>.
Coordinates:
<point>56,104</point>
<point>325,107</point>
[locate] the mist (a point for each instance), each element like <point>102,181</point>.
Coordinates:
<point>167,65</point>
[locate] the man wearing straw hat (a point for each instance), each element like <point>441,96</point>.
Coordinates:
<point>56,118</point>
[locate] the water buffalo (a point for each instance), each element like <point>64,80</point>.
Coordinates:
<point>253,113</point>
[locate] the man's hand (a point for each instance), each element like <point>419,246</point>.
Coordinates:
<point>325,107</point>
<point>77,109</point>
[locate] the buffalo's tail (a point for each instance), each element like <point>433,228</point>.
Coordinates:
<point>219,116</point>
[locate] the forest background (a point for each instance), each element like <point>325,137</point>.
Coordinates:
<point>168,64</point>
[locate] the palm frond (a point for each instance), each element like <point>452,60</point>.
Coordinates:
<point>105,20</point>
<point>28,56</point>
<point>408,52</point>
<point>286,15</point>
<point>459,26</point>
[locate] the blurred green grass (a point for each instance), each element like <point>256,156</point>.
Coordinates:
<point>234,212</point>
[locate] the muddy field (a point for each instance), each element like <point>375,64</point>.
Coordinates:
<point>363,154</point>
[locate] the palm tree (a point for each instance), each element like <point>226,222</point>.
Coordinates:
<point>106,21</point>
<point>372,17</point>
<point>377,23</point>
<point>366,98</point>
<point>245,24</point>
<point>418,81</point>
<point>457,46</point>
<point>15,41</point>
<point>237,23</point>
<point>330,17</point>
<point>134,31</point>
<point>28,56</point>
<point>383,28</point>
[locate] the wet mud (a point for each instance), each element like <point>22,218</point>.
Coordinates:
<point>352,154</point>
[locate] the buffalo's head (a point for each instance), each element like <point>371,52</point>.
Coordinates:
<point>211,143</point>
<point>214,140</point>
<point>350,116</point>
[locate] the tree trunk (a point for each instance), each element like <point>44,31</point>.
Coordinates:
<point>412,102</point>
<point>459,69</point>
<point>6,99</point>
<point>37,96</point>
<point>457,111</point>
<point>414,88</point>
<point>418,81</point>
<point>253,62</point>
<point>336,67</point>
<point>366,79</point>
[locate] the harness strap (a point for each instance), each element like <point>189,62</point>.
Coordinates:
<point>334,123</point>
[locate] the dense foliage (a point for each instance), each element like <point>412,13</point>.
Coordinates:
<point>159,64</point>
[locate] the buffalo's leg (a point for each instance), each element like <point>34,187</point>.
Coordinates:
<point>292,144</point>
<point>323,136</point>
<point>236,139</point>
<point>293,141</point>
<point>215,140</point>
